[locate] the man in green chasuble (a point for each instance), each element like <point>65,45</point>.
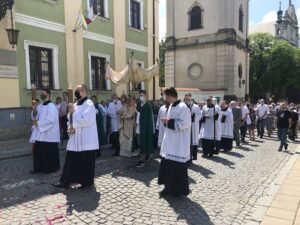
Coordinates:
<point>145,129</point>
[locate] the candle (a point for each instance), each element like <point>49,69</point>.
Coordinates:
<point>33,93</point>
<point>70,95</point>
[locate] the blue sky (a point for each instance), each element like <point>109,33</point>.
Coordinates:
<point>260,11</point>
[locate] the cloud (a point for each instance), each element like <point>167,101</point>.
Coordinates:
<point>269,17</point>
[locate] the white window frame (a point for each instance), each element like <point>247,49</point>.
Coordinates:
<point>96,54</point>
<point>54,49</point>
<point>142,13</point>
<point>142,83</point>
<point>106,13</point>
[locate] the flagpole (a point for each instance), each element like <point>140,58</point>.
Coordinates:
<point>76,24</point>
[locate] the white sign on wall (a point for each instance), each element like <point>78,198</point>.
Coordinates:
<point>8,71</point>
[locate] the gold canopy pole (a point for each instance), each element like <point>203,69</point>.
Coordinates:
<point>71,129</point>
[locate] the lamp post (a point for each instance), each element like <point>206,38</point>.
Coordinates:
<point>11,33</point>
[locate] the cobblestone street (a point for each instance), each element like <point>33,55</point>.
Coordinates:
<point>232,188</point>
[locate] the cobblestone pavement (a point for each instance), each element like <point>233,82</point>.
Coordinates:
<point>228,189</point>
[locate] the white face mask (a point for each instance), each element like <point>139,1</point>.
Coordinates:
<point>115,100</point>
<point>142,99</point>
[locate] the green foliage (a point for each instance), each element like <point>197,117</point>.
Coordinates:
<point>274,65</point>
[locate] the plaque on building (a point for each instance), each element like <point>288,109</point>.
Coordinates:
<point>8,71</point>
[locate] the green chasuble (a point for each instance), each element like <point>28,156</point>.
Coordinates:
<point>100,128</point>
<point>146,128</point>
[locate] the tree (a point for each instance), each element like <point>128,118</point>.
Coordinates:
<point>274,66</point>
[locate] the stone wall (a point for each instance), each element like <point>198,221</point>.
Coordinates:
<point>15,123</point>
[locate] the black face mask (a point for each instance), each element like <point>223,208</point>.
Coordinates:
<point>43,97</point>
<point>77,94</point>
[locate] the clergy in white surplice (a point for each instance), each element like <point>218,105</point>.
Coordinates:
<point>46,136</point>
<point>175,148</point>
<point>79,164</point>
<point>227,127</point>
<point>210,132</point>
<point>114,107</point>
<point>160,126</point>
<point>195,117</point>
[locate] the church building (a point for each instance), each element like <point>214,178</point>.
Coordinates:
<point>286,26</point>
<point>207,44</point>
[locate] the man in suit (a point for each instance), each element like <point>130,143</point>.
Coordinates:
<point>237,118</point>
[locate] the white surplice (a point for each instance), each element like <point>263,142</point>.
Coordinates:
<point>47,123</point>
<point>195,125</point>
<point>177,137</point>
<point>85,137</point>
<point>162,113</point>
<point>207,129</point>
<point>227,126</point>
<point>112,112</point>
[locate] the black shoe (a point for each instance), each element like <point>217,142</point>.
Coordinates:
<point>204,155</point>
<point>33,172</point>
<point>163,194</point>
<point>140,164</point>
<point>116,154</point>
<point>286,146</point>
<point>210,155</point>
<point>60,185</point>
<point>148,157</point>
<point>280,149</point>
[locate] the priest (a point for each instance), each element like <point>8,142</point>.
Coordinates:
<point>195,117</point>
<point>47,136</point>
<point>175,149</point>
<point>226,127</point>
<point>210,129</point>
<point>145,129</point>
<point>83,142</point>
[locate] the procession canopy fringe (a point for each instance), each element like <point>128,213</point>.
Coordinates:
<point>131,73</point>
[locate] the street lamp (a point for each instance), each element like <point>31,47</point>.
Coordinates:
<point>12,33</point>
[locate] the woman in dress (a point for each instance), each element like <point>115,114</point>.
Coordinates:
<point>252,124</point>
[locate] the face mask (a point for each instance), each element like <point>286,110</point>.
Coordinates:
<point>77,94</point>
<point>115,100</point>
<point>43,97</point>
<point>142,98</point>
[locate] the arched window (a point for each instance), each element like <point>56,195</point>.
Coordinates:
<point>196,18</point>
<point>241,19</point>
<point>278,31</point>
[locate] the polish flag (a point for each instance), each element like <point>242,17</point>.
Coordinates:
<point>90,16</point>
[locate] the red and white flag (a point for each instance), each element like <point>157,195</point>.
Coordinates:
<point>90,16</point>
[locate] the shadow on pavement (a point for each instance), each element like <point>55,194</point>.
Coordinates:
<point>243,148</point>
<point>203,171</point>
<point>223,161</point>
<point>86,200</point>
<point>235,154</point>
<point>188,212</point>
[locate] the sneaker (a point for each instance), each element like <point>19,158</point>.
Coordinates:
<point>148,157</point>
<point>141,164</point>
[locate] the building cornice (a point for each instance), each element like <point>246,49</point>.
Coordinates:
<point>36,22</point>
<point>224,36</point>
<point>136,47</point>
<point>98,37</point>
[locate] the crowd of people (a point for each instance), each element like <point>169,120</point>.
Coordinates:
<point>135,127</point>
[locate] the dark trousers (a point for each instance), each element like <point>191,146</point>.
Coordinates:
<point>293,132</point>
<point>115,142</point>
<point>243,130</point>
<point>194,151</point>
<point>261,127</point>
<point>282,134</point>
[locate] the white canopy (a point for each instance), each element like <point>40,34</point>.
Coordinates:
<point>133,72</point>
